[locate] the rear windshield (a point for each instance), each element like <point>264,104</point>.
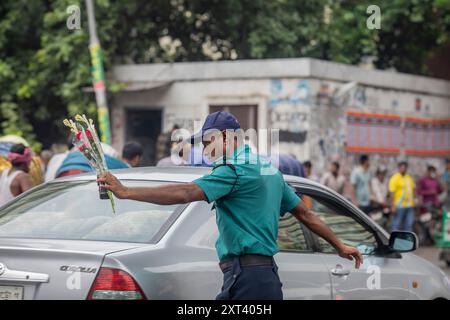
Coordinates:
<point>73,211</point>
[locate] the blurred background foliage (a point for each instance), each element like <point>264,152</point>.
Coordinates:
<point>44,66</point>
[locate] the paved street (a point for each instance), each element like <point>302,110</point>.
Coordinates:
<point>432,255</point>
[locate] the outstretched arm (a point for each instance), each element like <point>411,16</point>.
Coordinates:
<point>313,222</point>
<point>164,195</point>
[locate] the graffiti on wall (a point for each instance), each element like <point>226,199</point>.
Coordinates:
<point>289,110</point>
<point>282,94</point>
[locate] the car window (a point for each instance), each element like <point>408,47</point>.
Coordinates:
<point>347,229</point>
<point>73,211</point>
<point>290,234</point>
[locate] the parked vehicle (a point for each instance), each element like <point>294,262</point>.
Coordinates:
<point>428,224</point>
<point>59,241</point>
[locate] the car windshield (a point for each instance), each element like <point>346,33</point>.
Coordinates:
<point>73,211</point>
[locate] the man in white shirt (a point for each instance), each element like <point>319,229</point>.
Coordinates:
<point>379,187</point>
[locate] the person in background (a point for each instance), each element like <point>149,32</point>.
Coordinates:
<point>76,163</point>
<point>380,188</point>
<point>429,188</point>
<point>380,203</point>
<point>60,152</point>
<point>195,157</point>
<point>287,164</point>
<point>307,166</point>
<point>173,159</point>
<point>333,179</point>
<point>401,186</point>
<point>132,153</point>
<point>164,143</point>
<point>45,156</point>
<point>360,181</point>
<point>16,180</point>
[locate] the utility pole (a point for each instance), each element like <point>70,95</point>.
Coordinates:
<point>98,75</point>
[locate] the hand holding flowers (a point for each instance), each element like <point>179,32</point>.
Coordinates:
<point>86,140</point>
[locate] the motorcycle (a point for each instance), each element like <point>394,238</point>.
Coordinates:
<point>428,224</point>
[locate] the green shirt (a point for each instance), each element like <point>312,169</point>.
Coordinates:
<point>249,202</point>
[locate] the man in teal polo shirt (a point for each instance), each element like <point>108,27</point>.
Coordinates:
<point>249,195</point>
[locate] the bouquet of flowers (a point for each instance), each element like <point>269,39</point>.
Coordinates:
<point>85,139</point>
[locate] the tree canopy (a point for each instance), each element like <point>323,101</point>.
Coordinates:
<point>44,66</point>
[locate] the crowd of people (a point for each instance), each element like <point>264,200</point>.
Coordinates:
<point>398,196</point>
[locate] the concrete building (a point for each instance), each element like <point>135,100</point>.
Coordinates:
<point>323,110</point>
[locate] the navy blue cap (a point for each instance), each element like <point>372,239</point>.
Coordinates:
<point>220,120</point>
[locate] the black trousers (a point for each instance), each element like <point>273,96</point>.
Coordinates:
<point>251,282</point>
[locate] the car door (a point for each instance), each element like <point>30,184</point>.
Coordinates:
<point>302,272</point>
<point>379,277</point>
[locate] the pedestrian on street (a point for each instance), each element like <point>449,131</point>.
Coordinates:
<point>308,169</point>
<point>164,143</point>
<point>333,179</point>
<point>401,186</point>
<point>176,157</point>
<point>249,196</point>
<point>429,189</point>
<point>379,187</point>
<point>16,180</point>
<point>44,157</point>
<point>360,181</point>
<point>132,154</point>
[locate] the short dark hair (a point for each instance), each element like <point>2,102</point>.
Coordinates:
<point>363,158</point>
<point>131,150</point>
<point>431,168</point>
<point>307,164</point>
<point>402,163</point>
<point>335,163</point>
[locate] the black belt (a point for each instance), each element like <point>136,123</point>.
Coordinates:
<point>247,260</point>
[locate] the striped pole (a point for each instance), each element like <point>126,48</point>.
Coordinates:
<point>98,76</point>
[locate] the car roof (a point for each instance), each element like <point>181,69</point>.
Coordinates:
<point>169,174</point>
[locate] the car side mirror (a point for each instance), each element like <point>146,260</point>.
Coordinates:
<point>403,241</point>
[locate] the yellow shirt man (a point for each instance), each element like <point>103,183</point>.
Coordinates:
<point>402,186</point>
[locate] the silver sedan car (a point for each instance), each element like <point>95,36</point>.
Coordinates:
<point>59,241</point>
